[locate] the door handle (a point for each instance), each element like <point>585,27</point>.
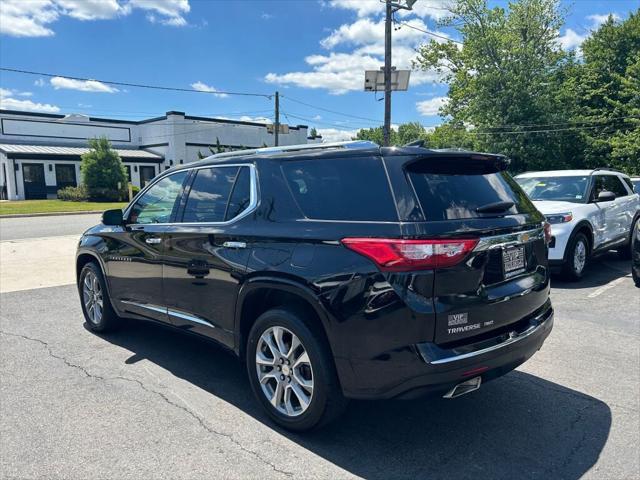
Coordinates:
<point>153,240</point>
<point>234,245</point>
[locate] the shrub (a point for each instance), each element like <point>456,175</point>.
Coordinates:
<point>135,190</point>
<point>73,194</point>
<point>103,172</point>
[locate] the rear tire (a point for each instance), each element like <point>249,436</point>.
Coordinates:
<point>576,258</point>
<point>94,299</point>
<point>296,383</point>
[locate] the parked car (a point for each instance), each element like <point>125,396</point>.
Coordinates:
<point>635,267</point>
<point>335,271</point>
<point>590,211</point>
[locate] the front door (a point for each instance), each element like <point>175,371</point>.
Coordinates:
<point>206,252</point>
<point>65,176</point>
<point>134,262</point>
<point>146,175</point>
<point>33,179</point>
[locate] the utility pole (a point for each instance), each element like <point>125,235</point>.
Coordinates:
<point>387,75</point>
<point>276,130</point>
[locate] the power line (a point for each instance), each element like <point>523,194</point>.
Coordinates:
<point>329,110</point>
<point>522,132</point>
<point>442,37</point>
<point>136,85</point>
<point>320,122</point>
<point>527,125</point>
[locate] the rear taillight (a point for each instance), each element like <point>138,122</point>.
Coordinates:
<point>547,232</point>
<point>395,255</point>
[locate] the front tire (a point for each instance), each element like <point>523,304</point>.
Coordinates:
<point>625,252</point>
<point>576,258</point>
<point>94,298</point>
<point>291,371</point>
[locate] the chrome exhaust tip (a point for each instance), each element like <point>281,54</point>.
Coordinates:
<point>463,388</point>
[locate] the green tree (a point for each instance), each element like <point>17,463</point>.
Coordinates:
<point>103,172</point>
<point>505,77</point>
<point>218,149</point>
<point>607,90</point>
<point>313,133</point>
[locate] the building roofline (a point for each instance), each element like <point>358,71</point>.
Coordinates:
<point>147,120</point>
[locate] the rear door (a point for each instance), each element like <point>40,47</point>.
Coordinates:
<point>207,250</point>
<point>504,279</point>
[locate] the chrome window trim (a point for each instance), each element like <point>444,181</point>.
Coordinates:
<point>253,198</point>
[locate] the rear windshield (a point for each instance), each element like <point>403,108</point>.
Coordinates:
<point>353,188</point>
<point>453,195</point>
<point>565,189</point>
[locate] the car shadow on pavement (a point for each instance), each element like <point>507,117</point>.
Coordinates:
<point>518,426</point>
<point>600,270</point>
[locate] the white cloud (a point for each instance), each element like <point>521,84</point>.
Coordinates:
<point>571,39</point>
<point>32,18</point>
<point>266,16</point>
<point>91,9</point>
<point>203,87</point>
<point>430,107</point>
<point>81,85</point>
<point>341,72</point>
<point>20,18</point>
<point>598,19</point>
<point>247,118</point>
<point>39,82</point>
<point>7,92</point>
<point>170,11</point>
<point>435,9</point>
<point>9,103</point>
<point>336,135</point>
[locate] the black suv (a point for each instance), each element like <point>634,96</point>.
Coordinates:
<point>335,271</point>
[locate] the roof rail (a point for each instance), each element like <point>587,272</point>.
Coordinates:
<point>356,144</point>
<point>606,169</point>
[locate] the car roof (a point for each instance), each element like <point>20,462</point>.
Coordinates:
<point>320,151</point>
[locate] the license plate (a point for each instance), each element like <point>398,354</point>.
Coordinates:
<point>513,261</point>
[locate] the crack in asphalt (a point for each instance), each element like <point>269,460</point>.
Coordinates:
<point>201,421</point>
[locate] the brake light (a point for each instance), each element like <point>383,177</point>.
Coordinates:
<point>547,232</point>
<point>393,255</point>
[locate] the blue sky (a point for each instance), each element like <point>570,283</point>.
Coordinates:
<point>311,51</point>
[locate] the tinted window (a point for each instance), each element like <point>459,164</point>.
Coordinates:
<point>241,194</point>
<point>157,204</point>
<point>209,194</point>
<point>565,189</point>
<point>610,183</point>
<point>636,185</point>
<point>341,189</point>
<point>445,196</point>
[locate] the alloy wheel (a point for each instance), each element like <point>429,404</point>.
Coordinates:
<point>92,297</point>
<point>579,256</point>
<point>284,371</point>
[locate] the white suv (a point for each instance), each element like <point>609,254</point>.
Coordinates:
<point>589,211</point>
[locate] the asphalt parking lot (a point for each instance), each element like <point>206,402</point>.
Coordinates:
<point>147,402</point>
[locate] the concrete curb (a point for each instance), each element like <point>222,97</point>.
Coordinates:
<point>49,214</point>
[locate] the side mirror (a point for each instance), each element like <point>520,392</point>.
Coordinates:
<point>112,217</point>
<point>606,196</point>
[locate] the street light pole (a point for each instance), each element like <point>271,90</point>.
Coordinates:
<point>276,130</point>
<point>387,75</point>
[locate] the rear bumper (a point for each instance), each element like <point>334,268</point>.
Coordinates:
<point>427,368</point>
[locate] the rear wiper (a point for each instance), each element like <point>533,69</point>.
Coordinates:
<point>495,207</point>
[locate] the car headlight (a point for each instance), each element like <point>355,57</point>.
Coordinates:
<point>560,218</point>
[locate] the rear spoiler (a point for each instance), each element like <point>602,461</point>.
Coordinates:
<point>458,163</point>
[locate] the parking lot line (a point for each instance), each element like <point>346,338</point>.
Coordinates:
<point>608,286</point>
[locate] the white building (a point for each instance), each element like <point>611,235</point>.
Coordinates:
<point>40,152</point>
